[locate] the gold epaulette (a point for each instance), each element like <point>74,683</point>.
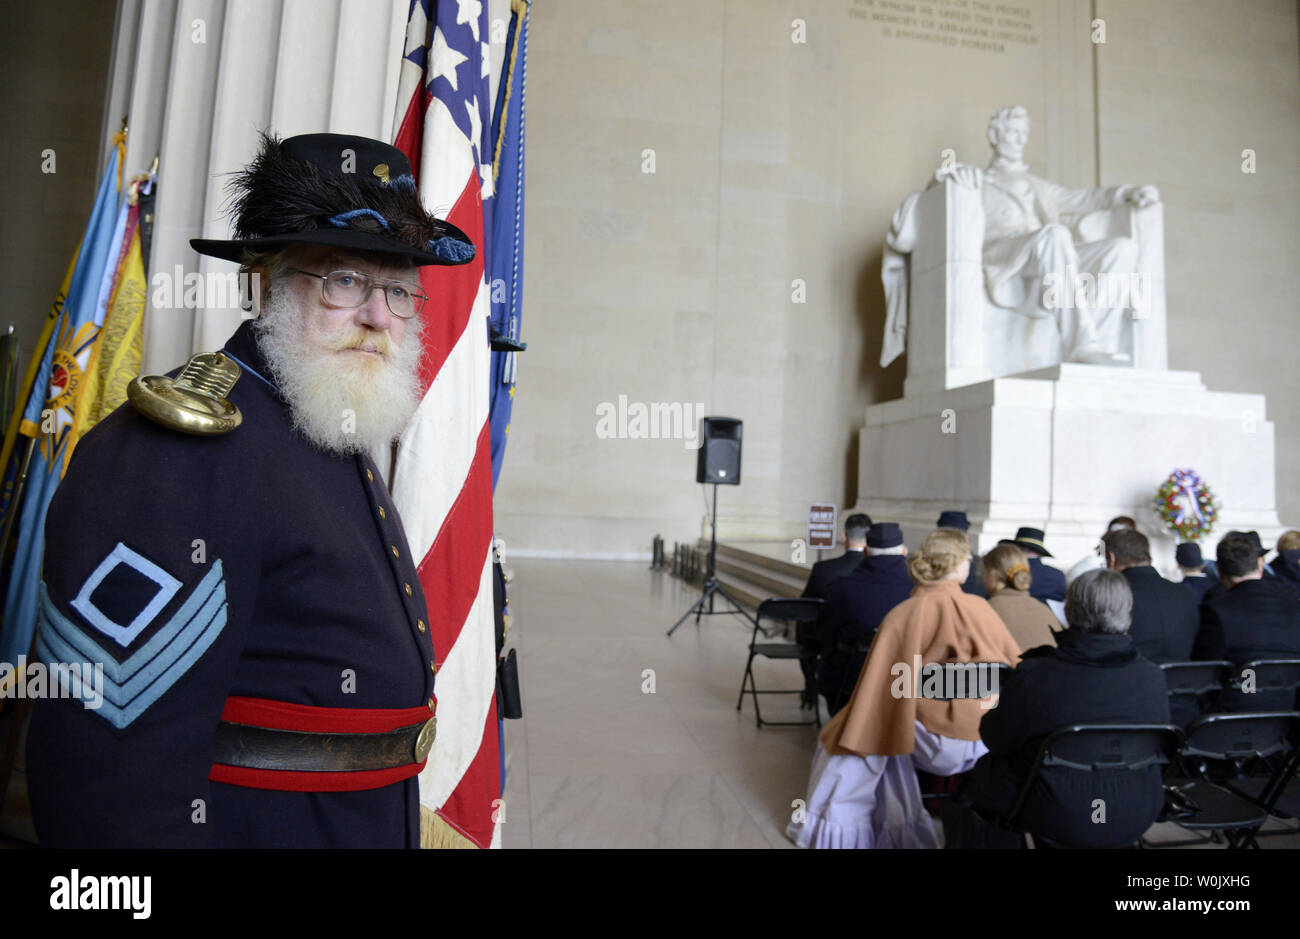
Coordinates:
<point>194,402</point>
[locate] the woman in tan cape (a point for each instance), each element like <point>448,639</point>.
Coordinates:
<point>863,792</point>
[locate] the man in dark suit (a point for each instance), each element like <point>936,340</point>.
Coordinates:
<point>1254,617</point>
<point>823,572</point>
<point>1190,562</point>
<point>1220,588</point>
<point>855,606</point>
<point>1093,675</point>
<point>951,518</point>
<point>1048,583</point>
<point>1165,617</point>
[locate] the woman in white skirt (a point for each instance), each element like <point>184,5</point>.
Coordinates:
<point>863,792</point>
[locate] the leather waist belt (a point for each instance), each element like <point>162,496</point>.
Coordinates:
<point>266,744</point>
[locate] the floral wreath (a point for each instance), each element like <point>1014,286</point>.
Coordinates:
<point>1186,505</point>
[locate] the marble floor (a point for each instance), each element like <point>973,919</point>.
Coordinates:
<point>597,761</point>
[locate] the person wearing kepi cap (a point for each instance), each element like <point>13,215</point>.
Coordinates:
<point>225,547</point>
<point>957,521</point>
<point>855,606</point>
<point>1192,565</point>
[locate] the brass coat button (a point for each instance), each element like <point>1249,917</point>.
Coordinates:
<point>381,512</point>
<point>408,589</point>
<point>424,742</point>
<point>393,548</point>
<point>433,667</point>
<point>419,624</point>
<point>370,476</point>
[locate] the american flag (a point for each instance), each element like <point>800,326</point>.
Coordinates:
<point>442,477</point>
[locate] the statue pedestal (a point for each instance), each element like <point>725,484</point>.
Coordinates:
<point>1066,448</point>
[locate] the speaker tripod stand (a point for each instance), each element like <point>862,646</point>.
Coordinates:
<point>711,585</point>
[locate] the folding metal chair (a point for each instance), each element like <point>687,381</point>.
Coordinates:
<point>780,609</point>
<point>1262,685</point>
<point>1193,687</point>
<point>1198,804</point>
<point>1091,748</point>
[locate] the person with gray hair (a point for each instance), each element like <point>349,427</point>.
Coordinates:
<point>1093,675</point>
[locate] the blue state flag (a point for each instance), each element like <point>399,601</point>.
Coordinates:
<point>51,411</point>
<point>505,256</point>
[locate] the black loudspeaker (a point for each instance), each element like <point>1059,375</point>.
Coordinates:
<point>719,458</point>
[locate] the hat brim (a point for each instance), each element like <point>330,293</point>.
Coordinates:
<point>1036,545</point>
<point>345,238</point>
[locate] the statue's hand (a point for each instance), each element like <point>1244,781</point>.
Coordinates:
<point>963,174</point>
<point>1142,196</point>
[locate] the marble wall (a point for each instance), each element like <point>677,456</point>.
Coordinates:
<point>1184,87</point>
<point>776,165</point>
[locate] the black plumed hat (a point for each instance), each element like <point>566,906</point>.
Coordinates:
<point>338,190</point>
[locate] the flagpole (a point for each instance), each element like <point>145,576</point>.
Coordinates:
<point>14,500</point>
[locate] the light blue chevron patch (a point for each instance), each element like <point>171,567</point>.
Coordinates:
<point>124,633</point>
<point>133,685</point>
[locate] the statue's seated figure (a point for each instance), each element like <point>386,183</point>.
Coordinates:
<point>1004,272</point>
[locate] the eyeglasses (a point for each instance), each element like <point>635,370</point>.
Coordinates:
<point>351,289</point>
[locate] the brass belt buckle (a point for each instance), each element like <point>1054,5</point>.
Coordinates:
<point>424,742</point>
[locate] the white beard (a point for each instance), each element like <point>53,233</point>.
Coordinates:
<point>343,402</point>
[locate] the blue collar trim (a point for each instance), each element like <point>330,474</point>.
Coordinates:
<point>248,368</point>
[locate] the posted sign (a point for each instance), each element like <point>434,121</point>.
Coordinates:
<point>821,525</point>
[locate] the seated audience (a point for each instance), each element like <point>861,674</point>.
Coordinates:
<point>957,521</point>
<point>1165,617</point>
<point>855,606</point>
<point>1096,560</point>
<point>1007,580</point>
<point>1254,617</point>
<point>863,792</point>
<point>1093,675</point>
<point>1192,566</point>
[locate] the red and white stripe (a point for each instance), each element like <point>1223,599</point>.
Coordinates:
<point>442,479</point>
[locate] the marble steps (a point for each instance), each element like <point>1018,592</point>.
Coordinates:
<point>752,577</point>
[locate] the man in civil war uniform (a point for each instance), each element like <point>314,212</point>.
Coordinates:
<point>226,548</point>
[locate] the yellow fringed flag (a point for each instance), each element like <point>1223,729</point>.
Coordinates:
<point>115,359</point>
